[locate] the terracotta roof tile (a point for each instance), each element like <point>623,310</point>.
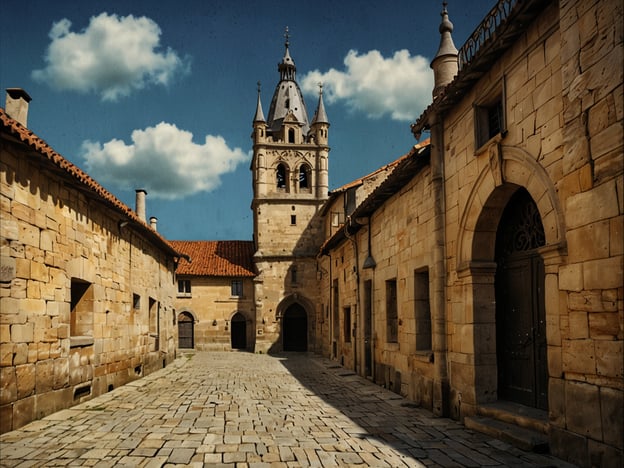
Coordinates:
<point>42,149</point>
<point>216,258</point>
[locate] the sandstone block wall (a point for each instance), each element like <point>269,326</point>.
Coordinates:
<point>563,90</point>
<point>53,238</point>
<point>401,244</point>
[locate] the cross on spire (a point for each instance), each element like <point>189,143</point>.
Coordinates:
<point>287,36</point>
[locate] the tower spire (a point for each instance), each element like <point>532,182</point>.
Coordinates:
<point>444,64</point>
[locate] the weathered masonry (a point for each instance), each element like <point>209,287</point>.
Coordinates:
<point>86,285</point>
<point>483,277</point>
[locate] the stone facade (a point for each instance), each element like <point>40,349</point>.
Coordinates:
<point>438,239</point>
<point>86,290</point>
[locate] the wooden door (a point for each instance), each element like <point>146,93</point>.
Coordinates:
<point>521,331</point>
<point>186,332</point>
<point>520,311</point>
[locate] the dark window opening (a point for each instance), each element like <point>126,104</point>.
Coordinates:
<point>136,301</point>
<point>422,310</point>
<point>184,288</point>
<point>293,219</point>
<point>81,318</point>
<point>347,324</point>
<point>304,176</point>
<point>392,326</point>
<point>291,135</point>
<point>237,288</point>
<point>281,176</point>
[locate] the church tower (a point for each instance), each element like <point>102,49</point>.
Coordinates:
<point>290,185</point>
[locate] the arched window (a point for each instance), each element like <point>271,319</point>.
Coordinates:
<point>291,135</point>
<point>281,176</point>
<point>304,176</point>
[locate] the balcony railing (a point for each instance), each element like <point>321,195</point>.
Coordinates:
<point>485,31</point>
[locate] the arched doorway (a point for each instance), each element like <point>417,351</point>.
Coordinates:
<point>239,331</point>
<point>295,328</point>
<point>186,331</point>
<point>520,311</point>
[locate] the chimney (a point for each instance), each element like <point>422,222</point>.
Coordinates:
<point>17,105</point>
<point>154,222</point>
<point>140,204</point>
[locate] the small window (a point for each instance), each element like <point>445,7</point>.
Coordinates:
<point>154,323</point>
<point>347,324</point>
<point>184,288</point>
<point>337,218</point>
<point>392,325</point>
<point>291,135</point>
<point>281,176</point>
<point>81,318</point>
<point>293,219</point>
<point>489,117</point>
<point>422,310</point>
<point>293,275</point>
<point>136,301</point>
<point>237,288</point>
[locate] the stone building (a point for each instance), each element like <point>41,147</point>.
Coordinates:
<point>86,285</point>
<point>483,277</point>
<point>215,298</point>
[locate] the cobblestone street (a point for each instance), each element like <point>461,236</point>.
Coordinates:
<point>251,410</point>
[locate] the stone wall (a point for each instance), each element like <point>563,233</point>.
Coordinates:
<point>86,302</point>
<point>401,243</point>
<point>563,92</point>
<point>560,85</point>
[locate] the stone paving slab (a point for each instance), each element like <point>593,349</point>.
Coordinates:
<point>230,409</point>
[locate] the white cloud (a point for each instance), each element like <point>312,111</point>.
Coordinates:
<point>164,160</point>
<point>399,86</point>
<point>113,56</point>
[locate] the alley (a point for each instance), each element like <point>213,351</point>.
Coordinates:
<point>253,410</point>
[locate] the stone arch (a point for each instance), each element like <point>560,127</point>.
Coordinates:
<point>508,168</point>
<point>295,313</point>
<point>239,330</point>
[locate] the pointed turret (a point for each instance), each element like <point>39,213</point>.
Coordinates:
<point>259,123</point>
<point>320,122</point>
<point>444,64</point>
<point>287,98</point>
<point>320,116</point>
<point>259,117</point>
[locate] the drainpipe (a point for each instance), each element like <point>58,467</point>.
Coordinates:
<point>441,397</point>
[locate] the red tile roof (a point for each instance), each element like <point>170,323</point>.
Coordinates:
<point>216,258</point>
<point>42,150</point>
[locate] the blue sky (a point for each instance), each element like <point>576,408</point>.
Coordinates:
<point>161,95</point>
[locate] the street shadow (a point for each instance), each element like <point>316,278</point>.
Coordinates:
<point>377,415</point>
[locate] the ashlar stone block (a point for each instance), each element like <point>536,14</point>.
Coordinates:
<point>582,405</point>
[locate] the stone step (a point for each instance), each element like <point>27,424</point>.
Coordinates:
<point>520,437</point>
<point>516,414</point>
